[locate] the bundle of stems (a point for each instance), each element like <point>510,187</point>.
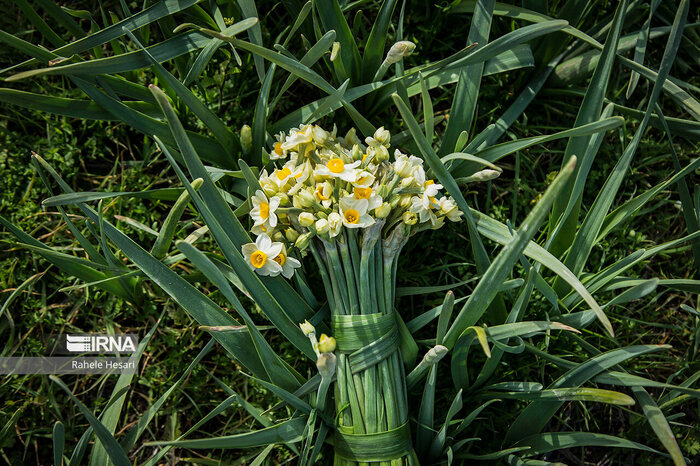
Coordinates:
<point>359,275</point>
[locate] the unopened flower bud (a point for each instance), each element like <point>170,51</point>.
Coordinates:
<point>394,201</point>
<point>399,50</point>
<point>291,234</point>
<point>381,153</point>
<point>279,237</point>
<point>383,210</point>
<point>335,50</point>
<point>351,138</point>
<point>246,138</point>
<point>409,218</point>
<point>403,167</point>
<point>284,198</point>
<point>435,354</point>
<point>307,328</point>
<point>335,221</point>
<point>356,153</point>
<point>382,136</point>
<point>306,198</point>
<point>408,181</point>
<point>405,201</point>
<point>306,219</point>
<point>326,344</point>
<point>326,364</point>
<point>320,135</point>
<point>302,241</point>
<point>269,189</point>
<point>484,175</point>
<point>322,226</point>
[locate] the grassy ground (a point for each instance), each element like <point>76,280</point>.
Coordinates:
<point>110,157</point>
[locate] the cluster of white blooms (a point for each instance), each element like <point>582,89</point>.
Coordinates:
<point>324,184</point>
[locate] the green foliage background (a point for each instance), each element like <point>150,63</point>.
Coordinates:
<point>109,156</point>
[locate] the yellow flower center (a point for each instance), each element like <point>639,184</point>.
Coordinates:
<point>264,210</point>
<point>280,259</point>
<point>429,182</point>
<point>352,216</point>
<point>335,165</point>
<point>284,173</point>
<point>258,259</point>
<point>364,156</point>
<point>362,193</point>
<point>278,148</point>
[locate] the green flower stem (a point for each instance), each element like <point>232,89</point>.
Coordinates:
<point>354,252</point>
<point>355,393</point>
<point>339,288</point>
<point>342,398</point>
<point>324,277</point>
<point>349,275</point>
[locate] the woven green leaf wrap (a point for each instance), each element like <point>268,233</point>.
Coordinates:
<point>353,332</point>
<point>382,446</point>
<point>367,340</point>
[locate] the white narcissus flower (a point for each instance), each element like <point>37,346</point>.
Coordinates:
<point>402,166</point>
<point>431,190</point>
<point>260,255</point>
<point>299,137</point>
<point>425,213</point>
<point>364,179</point>
<point>335,222</point>
<point>449,207</point>
<point>260,229</point>
<point>374,200</point>
<point>268,185</point>
<point>336,168</point>
<point>277,151</point>
<point>263,212</point>
<point>288,263</point>
<point>300,174</point>
<point>282,176</point>
<point>419,174</point>
<point>354,212</point>
<point>323,193</point>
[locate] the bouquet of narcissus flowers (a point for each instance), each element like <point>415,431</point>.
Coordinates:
<point>353,209</point>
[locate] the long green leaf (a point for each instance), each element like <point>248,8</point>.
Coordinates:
<point>287,431</point>
<point>585,238</point>
<point>537,414</point>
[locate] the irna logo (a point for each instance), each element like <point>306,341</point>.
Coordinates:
<point>101,343</point>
